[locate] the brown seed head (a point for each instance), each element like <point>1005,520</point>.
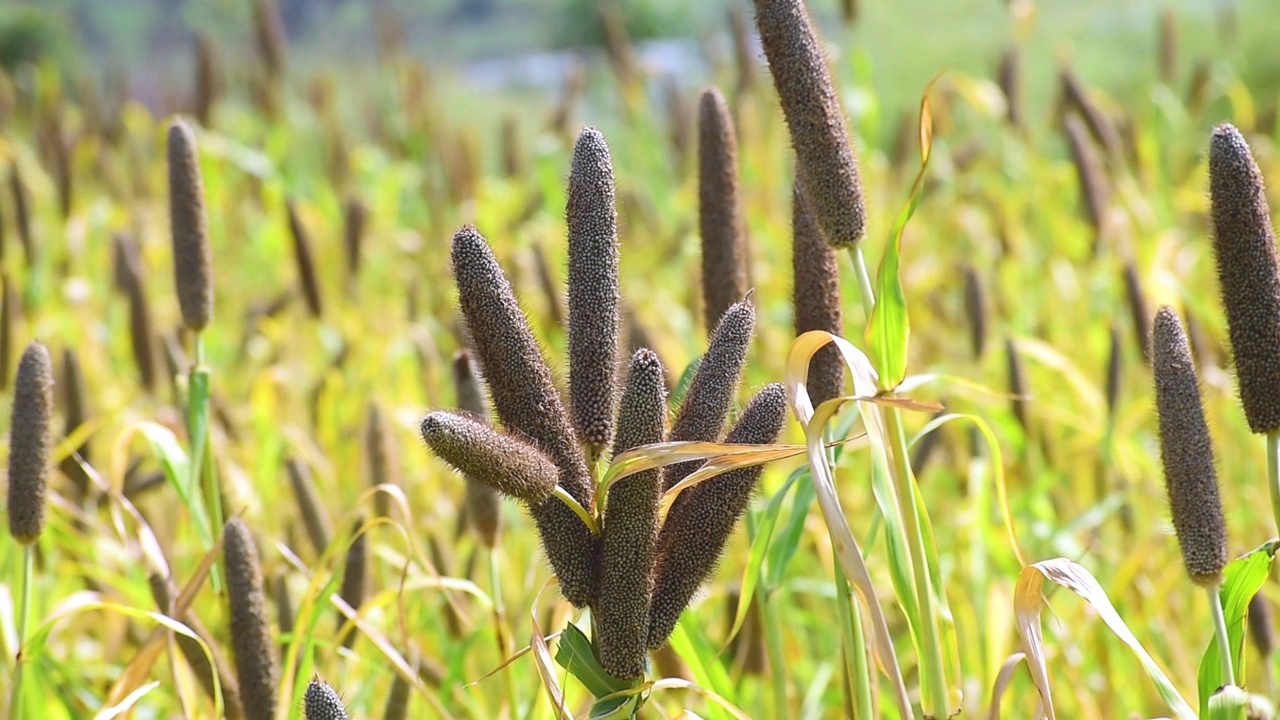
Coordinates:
<point>1168,45</point>
<point>250,626</point>
<point>1089,172</point>
<point>707,401</point>
<point>307,276</point>
<point>1017,384</point>
<point>825,162</point>
<point>1076,97</point>
<point>975,309</point>
<point>163,591</point>
<point>1010,77</point>
<point>1138,310</point>
<point>354,218</point>
<point>816,297</point>
<point>482,504</point>
<point>322,702</point>
<point>207,79</point>
<point>724,272</point>
<point>1186,452</point>
<point>1249,274</point>
<point>1114,368</point>
<point>29,443</point>
<point>77,412</point>
<point>353,580</point>
<point>380,454</point>
<point>593,290</point>
<point>526,401</point>
<point>1261,628</point>
<point>272,42</point>
<point>310,505</point>
<point>192,263</point>
<point>22,214</point>
<point>509,465</point>
<point>630,528</point>
<point>702,518</point>
<point>8,312</point>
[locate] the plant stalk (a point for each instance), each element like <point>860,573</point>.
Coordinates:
<point>1220,631</point>
<point>24,613</point>
<point>934,696</point>
<point>204,472</point>
<point>1273,473</point>
<point>855,642</point>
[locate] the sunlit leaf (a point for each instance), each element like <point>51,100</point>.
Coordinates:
<point>1241,580</point>
<point>1077,579</point>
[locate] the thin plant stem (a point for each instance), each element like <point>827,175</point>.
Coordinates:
<point>773,645</point>
<point>855,646</point>
<point>24,613</point>
<point>500,627</point>
<point>1273,473</point>
<point>932,669</point>
<point>1220,631</point>
<point>864,279</point>
<point>202,465</point>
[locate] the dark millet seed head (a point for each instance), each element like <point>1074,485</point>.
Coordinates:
<point>310,505</point>
<point>22,213</point>
<point>164,592</point>
<point>141,338</point>
<point>1249,274</point>
<point>816,298</point>
<point>8,313</point>
<point>284,605</point>
<point>321,702</point>
<point>1186,452</point>
<point>303,255</point>
<point>1114,368</point>
<point>1089,171</point>
<point>272,43</point>
<point>710,395</point>
<point>30,442</point>
<point>510,465</point>
<point>250,626</point>
<point>77,412</point>
<point>207,79</point>
<point>354,218</point>
<point>189,224</point>
<point>1017,384</point>
<point>353,580</point>
<point>526,401</point>
<point>630,531</point>
<point>593,290</point>
<point>380,454</point>
<point>825,162</point>
<point>1076,97</point>
<point>397,707</point>
<point>975,309</point>
<point>482,503</point>
<point>702,518</point>
<point>1168,45</point>
<point>1010,77</point>
<point>1138,310</point>
<point>724,271</point>
<point>1261,629</point>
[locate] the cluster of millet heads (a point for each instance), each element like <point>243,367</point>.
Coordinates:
<point>1249,277</point>
<point>544,444</point>
<point>638,577</point>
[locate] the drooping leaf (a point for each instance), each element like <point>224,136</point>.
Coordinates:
<point>1077,579</point>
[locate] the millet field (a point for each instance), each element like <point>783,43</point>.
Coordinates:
<point>740,359</point>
